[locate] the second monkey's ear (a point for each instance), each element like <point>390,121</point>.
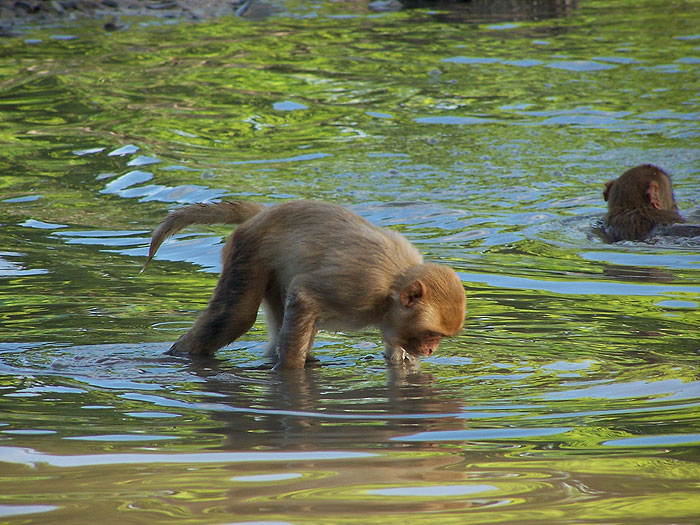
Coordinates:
<point>654,194</point>
<point>606,191</point>
<point>412,294</point>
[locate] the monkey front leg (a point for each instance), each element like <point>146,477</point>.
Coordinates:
<point>396,354</point>
<point>298,331</point>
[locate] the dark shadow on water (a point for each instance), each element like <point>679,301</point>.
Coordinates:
<point>481,11</point>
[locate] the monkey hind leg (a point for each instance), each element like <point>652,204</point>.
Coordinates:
<point>178,348</point>
<point>231,312</point>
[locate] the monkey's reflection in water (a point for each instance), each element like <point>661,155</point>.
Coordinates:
<point>311,408</point>
<point>328,409</point>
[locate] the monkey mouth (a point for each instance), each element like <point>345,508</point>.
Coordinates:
<point>416,347</point>
<point>417,352</point>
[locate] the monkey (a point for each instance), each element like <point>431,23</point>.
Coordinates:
<point>316,265</point>
<point>640,204</point>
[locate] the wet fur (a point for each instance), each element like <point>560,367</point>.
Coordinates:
<point>639,201</point>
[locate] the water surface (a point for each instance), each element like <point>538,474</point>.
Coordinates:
<point>573,393</point>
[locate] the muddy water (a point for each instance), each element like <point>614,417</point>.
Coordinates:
<point>572,394</point>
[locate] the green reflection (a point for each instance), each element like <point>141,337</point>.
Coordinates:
<point>486,146</point>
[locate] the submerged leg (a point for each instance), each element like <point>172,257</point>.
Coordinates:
<point>231,311</point>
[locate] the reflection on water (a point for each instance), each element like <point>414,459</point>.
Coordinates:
<point>573,393</point>
<point>217,437</point>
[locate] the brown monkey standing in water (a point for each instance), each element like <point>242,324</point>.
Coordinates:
<point>317,265</point>
<point>639,201</point>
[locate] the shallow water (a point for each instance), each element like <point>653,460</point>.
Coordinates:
<point>573,393</point>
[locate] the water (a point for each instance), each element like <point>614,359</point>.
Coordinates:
<point>573,393</point>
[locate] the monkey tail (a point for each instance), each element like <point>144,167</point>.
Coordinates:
<point>224,212</point>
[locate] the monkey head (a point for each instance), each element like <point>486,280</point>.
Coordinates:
<point>427,305</point>
<point>639,201</point>
<point>644,186</point>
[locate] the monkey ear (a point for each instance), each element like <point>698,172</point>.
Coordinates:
<point>606,191</point>
<point>654,194</point>
<point>412,294</point>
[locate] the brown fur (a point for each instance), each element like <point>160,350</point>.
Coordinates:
<point>640,200</point>
<point>317,265</point>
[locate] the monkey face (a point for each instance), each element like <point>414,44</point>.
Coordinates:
<point>426,310</point>
<point>410,347</point>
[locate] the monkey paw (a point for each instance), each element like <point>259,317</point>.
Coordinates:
<point>396,354</point>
